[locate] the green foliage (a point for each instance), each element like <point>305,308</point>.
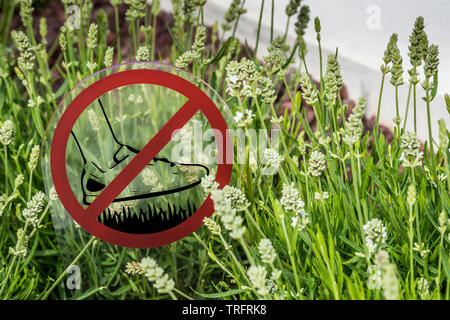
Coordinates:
<point>366,226</point>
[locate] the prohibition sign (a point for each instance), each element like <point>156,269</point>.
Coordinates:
<point>87,217</point>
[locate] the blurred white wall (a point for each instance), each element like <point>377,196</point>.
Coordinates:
<point>360,29</point>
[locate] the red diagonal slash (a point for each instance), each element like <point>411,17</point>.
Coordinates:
<point>151,149</point>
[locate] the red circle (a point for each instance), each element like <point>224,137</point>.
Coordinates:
<point>71,115</point>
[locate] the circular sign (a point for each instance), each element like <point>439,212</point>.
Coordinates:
<point>105,199</point>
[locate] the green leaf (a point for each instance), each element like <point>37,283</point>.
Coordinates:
<point>2,96</point>
<point>37,121</point>
<point>288,61</point>
<point>121,290</point>
<point>298,100</point>
<point>221,294</point>
<point>352,260</point>
<point>445,262</point>
<point>435,86</point>
<point>31,253</point>
<point>46,253</point>
<point>62,89</point>
<point>447,102</point>
<point>365,178</point>
<point>177,43</point>
<point>291,56</point>
<point>248,51</point>
<point>89,293</point>
<point>222,51</point>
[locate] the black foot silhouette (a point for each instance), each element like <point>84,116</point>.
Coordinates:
<point>127,219</point>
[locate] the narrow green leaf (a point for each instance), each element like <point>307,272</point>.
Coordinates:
<point>175,40</point>
<point>221,294</point>
<point>62,89</point>
<point>221,51</point>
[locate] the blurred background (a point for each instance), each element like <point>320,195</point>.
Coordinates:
<point>361,30</point>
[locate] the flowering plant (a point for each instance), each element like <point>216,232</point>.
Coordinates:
<point>346,213</point>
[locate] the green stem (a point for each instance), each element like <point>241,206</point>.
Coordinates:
<point>318,117</point>
<point>172,295</point>
<point>430,134</point>
<point>237,20</point>
<point>447,169</point>
<point>271,21</point>
<point>116,21</point>
<point>30,185</point>
<point>397,111</point>
<point>334,116</point>
<point>259,27</point>
<point>416,210</point>
<point>415,108</point>
<point>379,100</point>
<point>182,294</point>
<point>7,277</point>
<point>308,200</point>
<point>252,220</point>
<point>7,19</point>
<point>321,71</point>
<point>288,90</point>
<point>356,190</point>
<point>260,116</point>
<point>138,34</point>
<point>438,278</point>
<point>41,218</point>
<point>407,106</point>
<point>291,256</point>
<point>287,27</point>
<point>47,293</point>
<point>133,37</point>
<point>5,160</point>
<point>13,262</point>
<point>154,37</point>
<point>325,213</point>
<point>411,240</point>
<point>233,256</point>
<point>247,251</point>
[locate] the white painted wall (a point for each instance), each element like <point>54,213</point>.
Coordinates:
<point>346,24</point>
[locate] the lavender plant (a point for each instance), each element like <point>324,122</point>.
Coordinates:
<point>346,214</point>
